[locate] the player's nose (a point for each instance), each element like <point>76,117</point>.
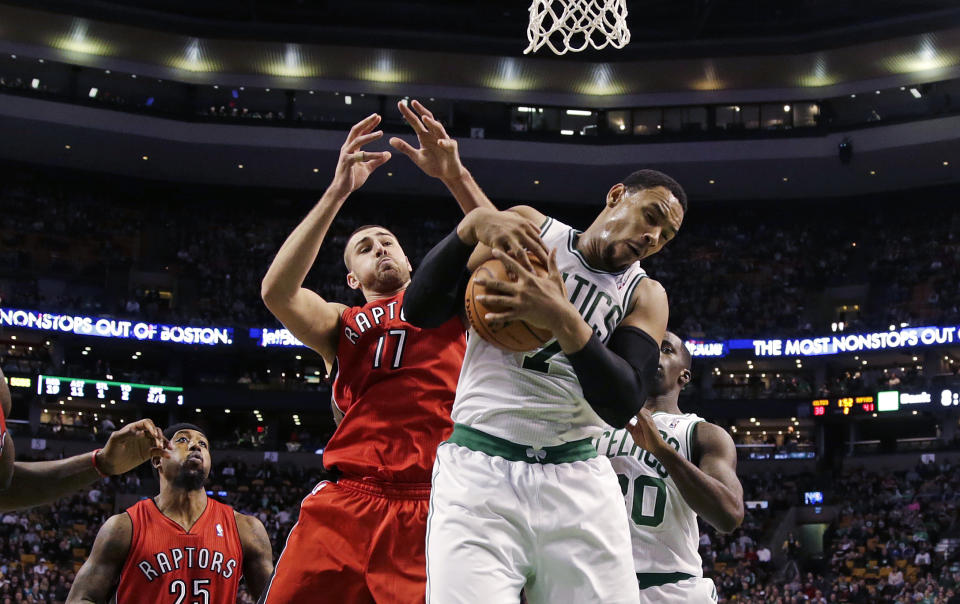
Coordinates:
<point>652,238</point>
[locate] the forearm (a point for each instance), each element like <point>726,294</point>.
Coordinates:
<point>708,497</point>
<point>37,483</point>
<point>298,253</point>
<point>467,192</point>
<point>571,331</point>
<point>615,379</point>
<point>435,292</point>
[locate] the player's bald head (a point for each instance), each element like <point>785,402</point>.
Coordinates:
<point>686,359</point>
<point>673,370</point>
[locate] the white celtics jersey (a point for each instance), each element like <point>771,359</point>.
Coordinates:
<point>663,528</point>
<point>534,398</point>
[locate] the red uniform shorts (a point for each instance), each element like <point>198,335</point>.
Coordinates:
<point>356,542</point>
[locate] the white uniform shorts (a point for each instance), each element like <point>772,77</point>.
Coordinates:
<point>499,525</point>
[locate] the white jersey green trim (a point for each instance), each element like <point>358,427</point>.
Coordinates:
<point>663,527</point>
<point>534,398</point>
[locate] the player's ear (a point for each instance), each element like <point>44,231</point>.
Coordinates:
<point>615,194</point>
<point>409,266</point>
<point>685,377</point>
<point>352,281</point>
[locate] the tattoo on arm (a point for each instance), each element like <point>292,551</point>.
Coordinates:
<point>97,579</point>
<point>257,553</point>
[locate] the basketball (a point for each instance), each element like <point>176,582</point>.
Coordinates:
<point>512,336</point>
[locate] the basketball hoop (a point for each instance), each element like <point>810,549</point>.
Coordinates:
<point>572,25</point>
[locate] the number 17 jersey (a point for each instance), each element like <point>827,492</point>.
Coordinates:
<point>395,385</point>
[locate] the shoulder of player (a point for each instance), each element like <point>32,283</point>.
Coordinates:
<point>711,439</point>
<point>116,536</point>
<point>648,308</point>
<point>530,213</point>
<point>251,530</point>
<point>648,292</point>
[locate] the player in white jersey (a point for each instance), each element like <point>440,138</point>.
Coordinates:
<point>520,499</point>
<point>673,466</point>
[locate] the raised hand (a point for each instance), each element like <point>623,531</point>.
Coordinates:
<point>509,232</point>
<point>645,433</point>
<point>537,300</point>
<point>356,165</point>
<point>132,445</point>
<point>438,155</point>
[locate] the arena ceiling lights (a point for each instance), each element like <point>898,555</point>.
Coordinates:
<point>912,58</point>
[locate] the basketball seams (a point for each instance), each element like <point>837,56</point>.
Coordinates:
<point>507,336</point>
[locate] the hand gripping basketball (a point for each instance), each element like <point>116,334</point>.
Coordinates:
<point>510,303</point>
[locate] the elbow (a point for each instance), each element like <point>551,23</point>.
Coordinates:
<point>270,294</point>
<point>731,520</point>
<point>267,291</point>
<point>417,315</point>
<point>619,417</point>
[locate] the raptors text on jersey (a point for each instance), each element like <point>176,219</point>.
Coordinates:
<point>395,384</point>
<point>167,564</point>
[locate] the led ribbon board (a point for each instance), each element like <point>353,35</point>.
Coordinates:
<point>840,343</point>
<point>267,337</point>
<point>128,392</point>
<point>115,328</point>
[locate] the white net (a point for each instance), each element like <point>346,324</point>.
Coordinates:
<point>573,25</point>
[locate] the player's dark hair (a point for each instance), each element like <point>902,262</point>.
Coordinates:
<point>171,430</point>
<point>649,179</point>
<point>368,226</point>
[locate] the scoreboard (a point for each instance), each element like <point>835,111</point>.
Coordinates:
<point>883,402</point>
<point>844,405</point>
<point>128,392</point>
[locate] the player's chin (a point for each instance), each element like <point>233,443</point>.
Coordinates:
<point>391,279</point>
<point>191,478</point>
<point>620,256</point>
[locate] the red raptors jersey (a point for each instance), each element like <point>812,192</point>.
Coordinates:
<point>171,566</point>
<point>395,384</point>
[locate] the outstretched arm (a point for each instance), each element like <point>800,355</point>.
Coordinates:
<point>37,483</point>
<point>257,553</point>
<point>97,578</point>
<point>308,316</point>
<point>439,157</point>
<point>712,489</point>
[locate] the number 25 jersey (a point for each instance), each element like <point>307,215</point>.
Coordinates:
<point>168,565</point>
<point>395,385</point>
